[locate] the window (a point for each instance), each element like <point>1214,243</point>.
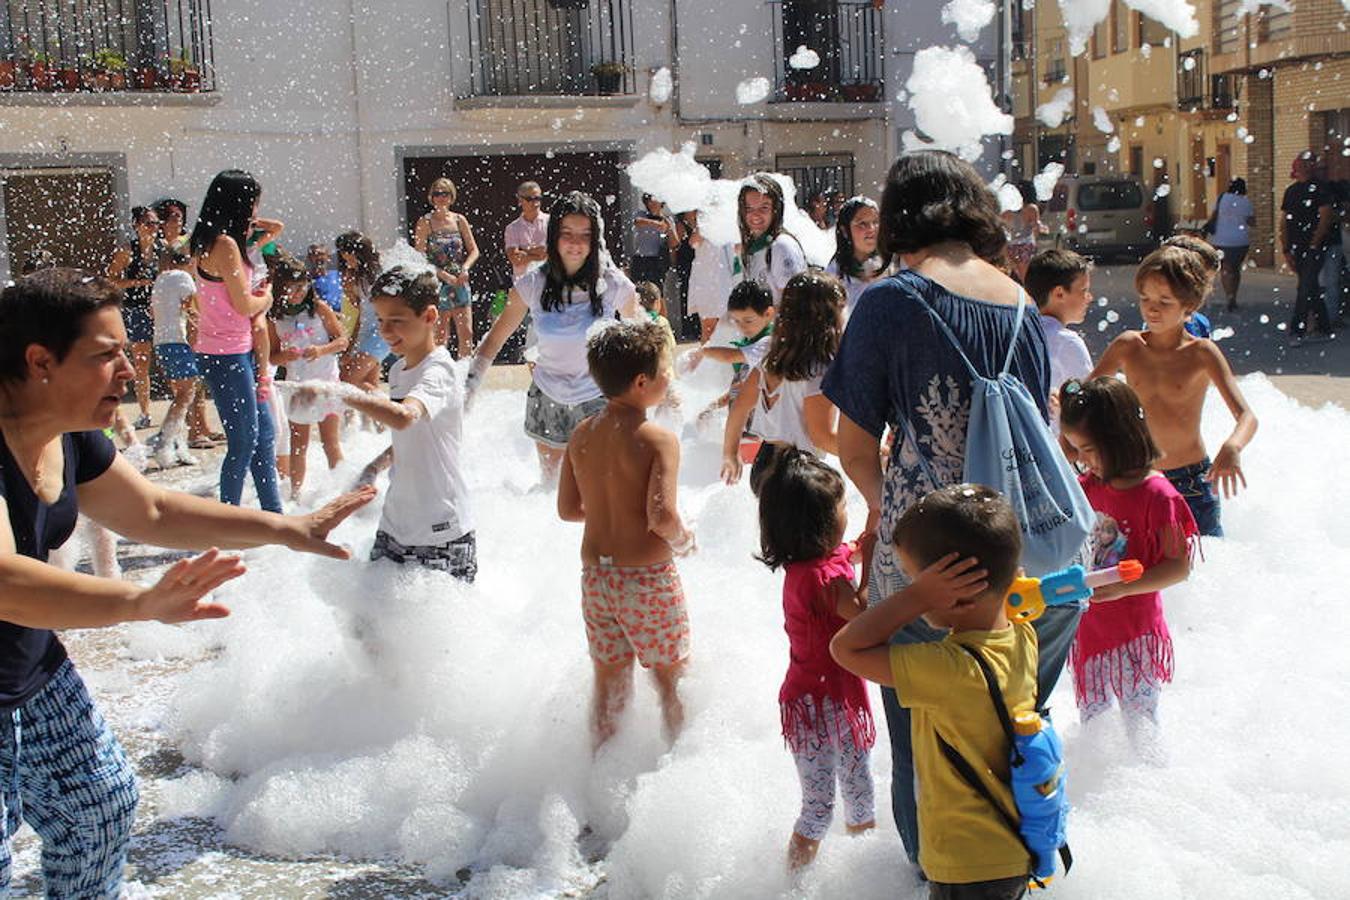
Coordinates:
<point>1276,23</point>
<point>812,172</point>
<point>1054,70</point>
<point>1137,160</point>
<point>1099,40</point>
<point>1191,79</point>
<point>1120,27</point>
<point>1227,26</point>
<point>1152,32</point>
<point>1098,196</point>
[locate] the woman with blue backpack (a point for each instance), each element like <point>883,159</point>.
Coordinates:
<point>949,356</point>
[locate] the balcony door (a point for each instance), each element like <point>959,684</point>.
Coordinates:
<point>535,47</point>
<point>813,24</point>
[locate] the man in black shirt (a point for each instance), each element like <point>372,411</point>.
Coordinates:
<point>1308,225</point>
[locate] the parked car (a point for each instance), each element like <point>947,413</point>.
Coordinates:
<point>1102,215</point>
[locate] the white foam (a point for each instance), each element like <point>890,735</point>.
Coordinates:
<point>1047,179</point>
<point>969,16</point>
<point>753,90</point>
<point>662,86</point>
<point>952,102</point>
<point>1053,112</point>
<point>363,710</point>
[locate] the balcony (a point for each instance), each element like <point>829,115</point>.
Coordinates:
<point>550,48</point>
<point>110,47</point>
<point>1191,80</point>
<point>847,37</point>
<point>1221,95</point>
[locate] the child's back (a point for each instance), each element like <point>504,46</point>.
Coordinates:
<point>962,839</point>
<point>615,456</point>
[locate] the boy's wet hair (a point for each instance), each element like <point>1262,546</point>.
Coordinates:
<point>808,327</point>
<point>1184,271</point>
<point>798,506</point>
<point>419,290</point>
<point>48,308</point>
<point>1052,269</point>
<point>617,354</point>
<point>966,519</point>
<point>750,295</point>
<point>1210,257</point>
<point>1107,411</point>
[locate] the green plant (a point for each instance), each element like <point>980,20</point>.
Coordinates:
<point>110,60</point>
<point>611,68</point>
<point>180,64</point>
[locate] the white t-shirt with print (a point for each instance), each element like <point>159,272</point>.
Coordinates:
<point>561,371</point>
<point>427,503</point>
<point>166,303</point>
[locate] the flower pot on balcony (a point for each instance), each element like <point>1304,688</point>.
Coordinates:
<point>8,74</point>
<point>68,79</point>
<point>190,80</point>
<point>39,75</point>
<point>147,78</point>
<point>608,83</point>
<point>806,91</point>
<point>861,93</point>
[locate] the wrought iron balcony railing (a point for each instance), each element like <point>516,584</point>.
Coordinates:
<point>845,35</point>
<point>550,47</point>
<point>110,45</point>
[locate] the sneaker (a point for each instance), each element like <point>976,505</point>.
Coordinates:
<point>142,422</point>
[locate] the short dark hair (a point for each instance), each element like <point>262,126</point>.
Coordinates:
<point>932,196</point>
<point>178,256</point>
<point>1238,186</point>
<point>750,295</point>
<point>617,354</point>
<point>48,308</point>
<point>161,206</point>
<point>1053,268</point>
<point>417,289</point>
<point>799,498</point>
<point>1108,412</point>
<point>966,519</point>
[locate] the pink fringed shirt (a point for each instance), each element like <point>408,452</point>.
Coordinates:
<point>811,621</point>
<point>1136,523</point>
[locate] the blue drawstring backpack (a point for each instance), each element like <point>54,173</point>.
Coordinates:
<point>1010,449</point>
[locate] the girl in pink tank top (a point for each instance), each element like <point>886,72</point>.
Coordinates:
<point>827,720</point>
<point>221,330</point>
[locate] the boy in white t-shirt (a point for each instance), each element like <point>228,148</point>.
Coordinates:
<point>1060,281</point>
<point>426,517</point>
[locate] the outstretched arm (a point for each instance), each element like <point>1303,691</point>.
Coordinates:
<point>129,504</point>
<point>1226,470</point>
<point>570,508</point>
<point>737,418</point>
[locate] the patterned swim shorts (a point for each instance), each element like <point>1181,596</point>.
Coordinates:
<point>635,611</point>
<point>459,557</point>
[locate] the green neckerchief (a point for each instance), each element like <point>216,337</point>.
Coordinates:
<point>763,242</point>
<point>742,342</point>
<point>304,306</point>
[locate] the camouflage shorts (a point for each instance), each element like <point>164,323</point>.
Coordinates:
<point>459,558</point>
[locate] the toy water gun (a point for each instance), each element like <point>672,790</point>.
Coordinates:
<point>1028,597</point>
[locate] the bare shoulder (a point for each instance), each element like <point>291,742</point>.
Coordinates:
<point>659,438</point>
<point>1128,342</point>
<point>1210,356</point>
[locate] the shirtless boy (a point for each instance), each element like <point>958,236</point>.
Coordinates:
<point>1171,370</point>
<point>619,477</point>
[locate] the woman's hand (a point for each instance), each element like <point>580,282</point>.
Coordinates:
<point>731,469</point>
<point>311,531</point>
<point>177,596</point>
<point>1226,471</point>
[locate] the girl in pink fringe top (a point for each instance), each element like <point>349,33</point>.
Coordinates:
<point>827,721</point>
<point>1123,649</point>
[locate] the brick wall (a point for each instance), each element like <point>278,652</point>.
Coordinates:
<point>1302,89</point>
<point>1260,172</point>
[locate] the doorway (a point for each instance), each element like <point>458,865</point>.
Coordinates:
<point>487,198</point>
<point>69,212</point>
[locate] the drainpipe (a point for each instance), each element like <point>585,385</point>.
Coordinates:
<point>675,58</point>
<point>357,109</point>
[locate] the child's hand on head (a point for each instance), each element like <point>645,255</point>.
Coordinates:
<point>950,580</point>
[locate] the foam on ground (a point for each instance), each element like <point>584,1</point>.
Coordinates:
<point>371,712</point>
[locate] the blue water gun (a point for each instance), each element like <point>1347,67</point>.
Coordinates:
<point>1028,597</point>
<point>1039,786</point>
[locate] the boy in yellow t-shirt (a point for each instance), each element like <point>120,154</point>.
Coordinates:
<point>961,546</point>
